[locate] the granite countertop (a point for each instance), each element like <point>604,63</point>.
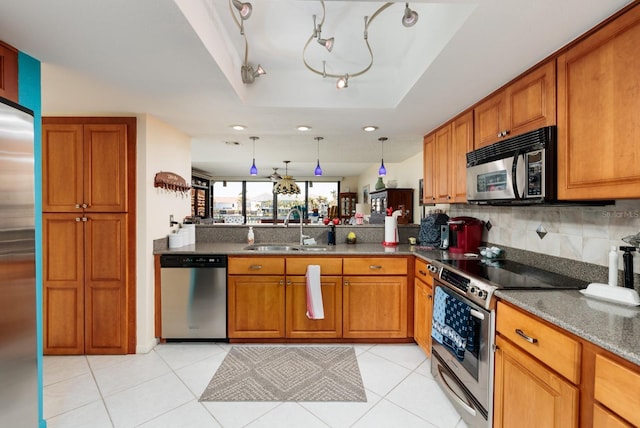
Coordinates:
<point>613,327</point>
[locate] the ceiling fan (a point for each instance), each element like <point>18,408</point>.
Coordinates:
<point>274,176</point>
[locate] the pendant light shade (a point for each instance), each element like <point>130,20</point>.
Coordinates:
<point>318,171</point>
<point>382,171</point>
<point>286,186</point>
<point>410,17</point>
<point>254,170</point>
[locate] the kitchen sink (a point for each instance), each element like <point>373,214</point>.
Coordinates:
<point>284,247</point>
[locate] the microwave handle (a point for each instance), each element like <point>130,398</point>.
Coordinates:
<point>518,170</point>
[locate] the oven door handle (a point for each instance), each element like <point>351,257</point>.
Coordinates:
<point>476,314</point>
<point>452,393</point>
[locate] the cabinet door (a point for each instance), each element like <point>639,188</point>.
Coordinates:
<point>105,173</point>
<point>374,307</point>
<point>105,303</point>
<point>598,121</point>
<point>62,168</point>
<point>441,165</point>
<point>8,72</point>
<point>528,394</point>
<point>490,120</point>
<point>532,100</point>
<point>428,153</point>
<point>423,314</point>
<point>298,325</point>
<point>256,307</point>
<point>63,282</point>
<point>603,418</point>
<point>461,144</point>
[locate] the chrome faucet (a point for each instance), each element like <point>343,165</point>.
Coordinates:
<point>286,223</point>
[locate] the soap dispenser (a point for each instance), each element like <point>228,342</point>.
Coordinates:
<point>250,236</point>
<point>627,262</point>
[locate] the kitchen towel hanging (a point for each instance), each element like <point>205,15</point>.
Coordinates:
<point>315,306</point>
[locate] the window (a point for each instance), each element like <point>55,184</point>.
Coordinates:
<point>252,202</point>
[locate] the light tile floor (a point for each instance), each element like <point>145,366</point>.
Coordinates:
<point>161,389</point>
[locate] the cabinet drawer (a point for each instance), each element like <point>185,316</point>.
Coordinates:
<point>552,347</point>
<point>421,271</point>
<point>256,266</point>
<point>328,265</point>
<point>617,388</point>
<point>375,266</point>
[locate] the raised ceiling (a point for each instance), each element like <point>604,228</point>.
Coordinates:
<point>180,61</point>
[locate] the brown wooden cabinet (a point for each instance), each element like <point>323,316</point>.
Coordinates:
<point>395,198</point>
<point>375,297</point>
<point>428,164</point>
<point>526,104</point>
<point>347,201</point>
<point>89,235</point>
<point>616,387</point>
<point>85,283</point>
<point>423,306</point>
<point>8,72</point>
<point>598,121</point>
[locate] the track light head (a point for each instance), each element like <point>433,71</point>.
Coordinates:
<point>343,82</point>
<point>244,8</point>
<point>249,74</point>
<point>327,43</point>
<point>410,17</point>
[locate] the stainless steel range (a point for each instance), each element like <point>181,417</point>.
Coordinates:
<point>463,326</point>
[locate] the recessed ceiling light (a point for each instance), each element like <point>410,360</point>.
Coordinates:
<point>369,128</point>
<point>232,143</point>
<point>239,127</point>
<point>304,128</point>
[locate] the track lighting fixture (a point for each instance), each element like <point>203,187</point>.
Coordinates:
<point>249,74</point>
<point>318,170</point>
<point>382,171</point>
<point>254,170</point>
<point>409,18</point>
<point>244,8</point>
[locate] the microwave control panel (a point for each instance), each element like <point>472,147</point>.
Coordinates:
<point>535,173</point>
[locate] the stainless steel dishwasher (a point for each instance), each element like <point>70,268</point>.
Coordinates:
<point>193,296</point>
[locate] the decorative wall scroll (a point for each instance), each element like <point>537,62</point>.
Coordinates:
<point>171,181</point>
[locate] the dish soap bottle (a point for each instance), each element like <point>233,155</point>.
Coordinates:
<point>613,267</point>
<point>250,237</point>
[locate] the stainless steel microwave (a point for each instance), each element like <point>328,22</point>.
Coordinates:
<point>518,170</point>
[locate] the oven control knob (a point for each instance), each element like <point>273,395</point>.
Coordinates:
<point>482,294</point>
<point>432,268</point>
<point>473,289</point>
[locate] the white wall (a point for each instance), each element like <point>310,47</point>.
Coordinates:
<point>160,148</point>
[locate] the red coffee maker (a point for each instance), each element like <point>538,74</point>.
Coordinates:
<point>465,234</point>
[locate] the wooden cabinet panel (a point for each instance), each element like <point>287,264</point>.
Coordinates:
<point>617,388</point>
<point>428,175</point>
<point>598,101</point>
<point>602,418</point>
<point>423,304</point>
<point>461,144</point>
<point>549,345</point>
<point>256,266</point>
<point>62,168</point>
<point>528,394</point>
<point>375,266</point>
<point>441,167</point>
<point>374,306</point>
<point>298,325</point>
<point>8,72</point>
<point>256,306</point>
<point>328,265</point>
<point>490,119</point>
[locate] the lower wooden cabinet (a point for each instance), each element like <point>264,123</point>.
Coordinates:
<point>298,325</point>
<point>616,387</point>
<point>423,306</point>
<point>85,283</point>
<point>528,394</point>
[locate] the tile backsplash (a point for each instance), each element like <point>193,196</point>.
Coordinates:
<point>573,232</point>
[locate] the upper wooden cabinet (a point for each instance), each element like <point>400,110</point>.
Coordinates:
<point>527,104</point>
<point>445,161</point>
<point>598,121</point>
<point>8,72</point>
<point>84,167</point>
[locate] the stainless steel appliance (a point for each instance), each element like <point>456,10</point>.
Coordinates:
<point>518,170</point>
<point>465,371</point>
<point>18,354</point>
<point>193,296</point>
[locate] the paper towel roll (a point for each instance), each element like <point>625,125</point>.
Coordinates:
<point>390,230</point>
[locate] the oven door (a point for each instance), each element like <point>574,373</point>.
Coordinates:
<point>466,377</point>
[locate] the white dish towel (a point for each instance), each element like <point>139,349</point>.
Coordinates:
<point>315,307</point>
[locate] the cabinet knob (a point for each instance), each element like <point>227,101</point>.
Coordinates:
<point>346,283</point>
<point>78,206</point>
<point>448,196</point>
<point>289,282</point>
<point>77,218</point>
<point>429,296</point>
<point>85,206</point>
<point>84,219</point>
<point>281,282</point>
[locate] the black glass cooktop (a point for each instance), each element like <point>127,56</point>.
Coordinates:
<point>510,275</point>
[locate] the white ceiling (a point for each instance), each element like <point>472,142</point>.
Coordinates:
<point>179,60</point>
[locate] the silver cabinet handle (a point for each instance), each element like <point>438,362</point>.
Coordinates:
<point>525,337</point>
<point>85,206</point>
<point>84,219</point>
<point>78,206</point>
<point>255,267</point>
<point>375,267</point>
<point>77,218</point>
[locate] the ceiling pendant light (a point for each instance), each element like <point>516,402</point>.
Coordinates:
<point>382,171</point>
<point>244,8</point>
<point>254,170</point>
<point>286,186</point>
<point>410,17</point>
<point>318,171</point>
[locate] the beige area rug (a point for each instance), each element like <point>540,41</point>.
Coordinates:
<point>287,373</point>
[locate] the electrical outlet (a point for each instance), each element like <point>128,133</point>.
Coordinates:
<point>171,221</point>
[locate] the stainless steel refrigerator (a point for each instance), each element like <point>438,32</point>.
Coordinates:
<point>18,354</point>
